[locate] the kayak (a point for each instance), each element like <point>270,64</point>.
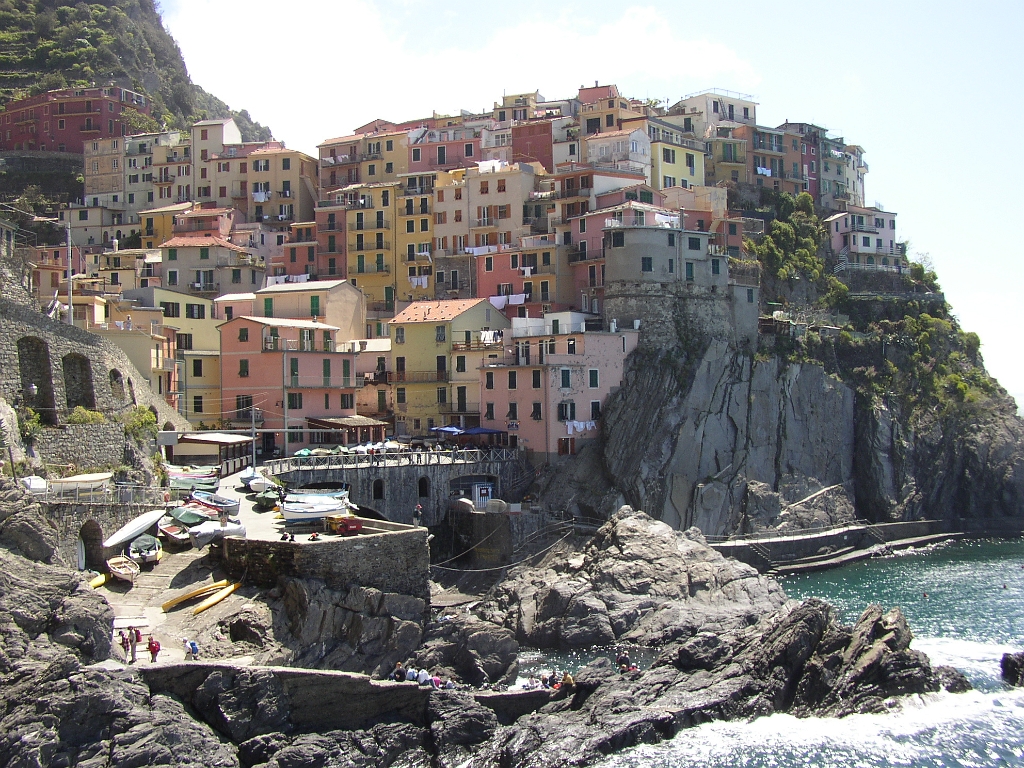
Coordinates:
<point>139,525</point>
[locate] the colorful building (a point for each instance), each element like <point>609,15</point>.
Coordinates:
<point>65,120</point>
<point>437,347</point>
<point>865,238</point>
<point>549,388</point>
<point>676,159</point>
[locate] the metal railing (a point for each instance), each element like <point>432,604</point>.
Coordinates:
<point>114,494</point>
<point>390,459</point>
<point>418,377</point>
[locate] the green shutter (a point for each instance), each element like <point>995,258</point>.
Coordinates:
<point>268,307</point>
<point>204,253</point>
<point>314,306</point>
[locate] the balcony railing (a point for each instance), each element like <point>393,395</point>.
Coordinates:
<point>406,191</point>
<point>458,407</point>
<point>319,382</point>
<point>475,345</point>
<point>590,254</point>
<point>418,377</point>
<point>636,221</point>
<point>363,204</point>
<point>376,224</point>
<point>575,192</point>
<point>370,269</point>
<point>487,221</point>
<point>376,245</point>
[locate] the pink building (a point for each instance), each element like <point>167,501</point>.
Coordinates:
<point>550,389</point>
<point>866,238</point>
<point>290,375</point>
<point>519,284</point>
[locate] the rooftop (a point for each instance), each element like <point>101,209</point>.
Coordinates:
<point>435,311</point>
<point>309,285</point>
<point>287,322</point>
<point>202,241</point>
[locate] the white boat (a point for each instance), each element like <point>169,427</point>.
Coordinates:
<point>204,533</point>
<point>145,549</point>
<point>34,484</point>
<point>88,482</point>
<point>299,507</point>
<point>124,568</point>
<point>255,480</point>
<point>172,530</point>
<point>134,528</point>
<point>215,501</point>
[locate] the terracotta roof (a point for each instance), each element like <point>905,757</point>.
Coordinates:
<point>435,311</point>
<point>202,242</point>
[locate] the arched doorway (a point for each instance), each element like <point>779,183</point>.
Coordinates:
<point>424,487</point>
<point>34,367</point>
<point>78,389</point>
<point>90,547</point>
<point>117,386</point>
<point>378,490</point>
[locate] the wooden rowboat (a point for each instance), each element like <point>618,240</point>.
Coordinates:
<point>124,568</point>
<point>220,503</point>
<point>172,530</point>
<point>87,482</point>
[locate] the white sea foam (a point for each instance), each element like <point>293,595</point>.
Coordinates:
<point>979,661</point>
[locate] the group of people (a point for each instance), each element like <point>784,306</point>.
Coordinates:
<point>402,674</point>
<point>129,643</point>
<point>625,665</point>
<point>550,682</point>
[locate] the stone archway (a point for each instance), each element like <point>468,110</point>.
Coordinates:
<point>117,386</point>
<point>423,487</point>
<point>36,370</point>
<point>90,547</point>
<point>78,388</point>
<point>378,490</point>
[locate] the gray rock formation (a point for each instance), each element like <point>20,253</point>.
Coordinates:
<point>469,649</point>
<point>1012,668</point>
<point>638,581</point>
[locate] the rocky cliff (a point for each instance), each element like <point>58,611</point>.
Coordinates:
<point>899,422</point>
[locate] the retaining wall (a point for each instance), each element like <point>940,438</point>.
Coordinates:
<point>84,445</point>
<point>390,557</point>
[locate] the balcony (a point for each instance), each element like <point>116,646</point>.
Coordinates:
<point>284,193</point>
<point>733,159</point>
<point>576,192</point>
<point>475,346</point>
<point>457,407</point>
<point>363,204</point>
<point>244,417</point>
<point>204,287</point>
<point>320,382</point>
<point>331,162</point>
<point>642,221</point>
<point>591,254</point>
<point>376,245</point>
<point>370,225</point>
<point>372,269</point>
<point>483,223</point>
<point>418,377</point>
<point>407,191</point>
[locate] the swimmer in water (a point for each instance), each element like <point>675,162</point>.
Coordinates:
<point>926,595</point>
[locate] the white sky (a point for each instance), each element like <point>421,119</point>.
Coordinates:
<point>930,90</point>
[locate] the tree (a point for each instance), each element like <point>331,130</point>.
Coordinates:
<point>136,122</point>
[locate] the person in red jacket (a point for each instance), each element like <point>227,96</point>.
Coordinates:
<point>153,646</point>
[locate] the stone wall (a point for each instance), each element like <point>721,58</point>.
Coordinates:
<point>386,556</point>
<point>669,312</point>
<point>92,522</point>
<point>400,484</point>
<point>83,445</point>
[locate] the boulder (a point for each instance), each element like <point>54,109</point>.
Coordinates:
<point>1012,666</point>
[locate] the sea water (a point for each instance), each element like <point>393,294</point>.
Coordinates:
<point>961,615</point>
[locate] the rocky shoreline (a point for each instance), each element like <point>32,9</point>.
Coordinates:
<point>731,646</point>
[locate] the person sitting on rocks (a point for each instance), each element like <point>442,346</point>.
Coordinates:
<point>314,536</point>
<point>435,681</point>
<point>398,673</point>
<point>449,684</point>
<point>411,674</point>
<point>545,681</point>
<point>567,681</point>
<point>423,678</point>
<point>532,683</point>
<point>623,659</point>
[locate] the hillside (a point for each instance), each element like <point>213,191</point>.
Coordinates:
<point>46,44</point>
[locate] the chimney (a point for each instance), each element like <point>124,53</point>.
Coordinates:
<point>595,83</point>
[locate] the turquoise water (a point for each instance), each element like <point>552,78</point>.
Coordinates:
<point>967,620</point>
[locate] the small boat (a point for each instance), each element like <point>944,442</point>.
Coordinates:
<point>216,501</point>
<point>198,483</point>
<point>34,484</point>
<point>262,483</point>
<point>124,568</point>
<point>193,514</point>
<point>133,528</point>
<point>92,481</point>
<point>172,530</point>
<point>192,594</point>
<point>145,549</point>
<point>204,533</point>
<point>268,499</point>
<point>299,508</point>
<point>190,471</point>
<point>215,598</point>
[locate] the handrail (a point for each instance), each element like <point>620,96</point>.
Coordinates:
<point>390,459</point>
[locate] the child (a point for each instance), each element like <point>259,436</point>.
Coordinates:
<point>153,646</point>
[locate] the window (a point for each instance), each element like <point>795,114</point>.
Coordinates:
<point>668,181</point>
<point>243,333</point>
<point>536,413</point>
<point>609,121</point>
<point>442,395</point>
<point>460,364</point>
<point>668,156</point>
<point>750,295</point>
<point>195,311</point>
<point>595,410</point>
<point>172,277</point>
<point>488,263</point>
<point>204,253</point>
<point>566,378</point>
<point>171,308</point>
<point>399,335</point>
<point>570,346</point>
<point>693,243</point>
<point>646,264</point>
<point>400,395</point>
<point>439,334</point>
<point>716,268</point>
<point>593,376</point>
<point>197,368</point>
<point>83,215</point>
<point>512,379</point>
<point>536,379</point>
<point>236,275</point>
<point>489,411</point>
<point>295,401</point>
<point>513,411</point>
<point>689,271</point>
<point>618,239</point>
<point>243,369</point>
<point>416,154</point>
<point>567,411</point>
<point>197,404</point>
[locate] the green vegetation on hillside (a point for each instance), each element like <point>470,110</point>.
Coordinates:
<point>47,44</point>
<point>791,241</point>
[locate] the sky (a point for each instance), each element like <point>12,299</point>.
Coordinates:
<point>924,87</point>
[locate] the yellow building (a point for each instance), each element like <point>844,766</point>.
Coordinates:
<point>727,158</point>
<point>437,348</point>
<point>370,212</point>
<point>677,160</point>
<point>364,158</point>
<point>197,343</point>
<point>158,223</point>
<point>414,239</point>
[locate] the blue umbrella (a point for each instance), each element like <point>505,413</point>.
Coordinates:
<point>447,430</point>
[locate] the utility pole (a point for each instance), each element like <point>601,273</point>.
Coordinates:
<point>252,432</point>
<point>71,312</point>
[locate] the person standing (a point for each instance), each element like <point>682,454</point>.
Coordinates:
<point>153,646</point>
<point>125,647</point>
<point>188,648</point>
<point>133,641</point>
